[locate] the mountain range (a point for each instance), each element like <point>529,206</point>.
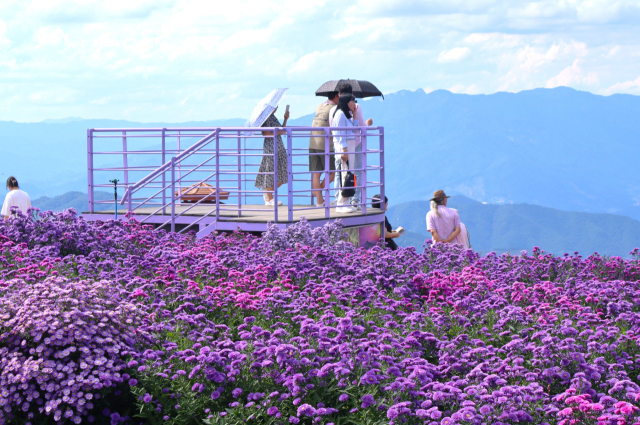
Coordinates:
<point>561,149</point>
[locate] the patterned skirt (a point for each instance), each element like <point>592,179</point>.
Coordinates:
<point>266,166</point>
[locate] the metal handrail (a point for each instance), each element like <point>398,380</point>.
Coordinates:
<point>222,165</point>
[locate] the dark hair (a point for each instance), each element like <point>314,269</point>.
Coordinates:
<point>343,105</point>
<point>12,182</point>
<point>346,88</point>
<point>375,202</point>
<point>332,94</point>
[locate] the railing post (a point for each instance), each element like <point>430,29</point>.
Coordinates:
<point>327,174</point>
<point>381,130</point>
<point>363,191</point>
<point>125,162</point>
<point>217,174</point>
<point>90,168</point>
<point>164,182</point>
<point>179,167</point>
<point>239,174</point>
<point>290,175</point>
<point>244,177</point>
<point>173,191</point>
<point>275,174</point>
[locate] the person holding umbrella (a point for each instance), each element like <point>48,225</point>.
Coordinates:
<point>355,159</point>
<point>264,116</point>
<point>362,89</point>
<point>344,141</point>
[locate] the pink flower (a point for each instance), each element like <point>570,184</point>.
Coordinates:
<point>565,412</point>
<point>627,409</point>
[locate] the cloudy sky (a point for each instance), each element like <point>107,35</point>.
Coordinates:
<point>180,60</point>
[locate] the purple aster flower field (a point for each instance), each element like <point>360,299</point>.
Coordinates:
<point>112,322</point>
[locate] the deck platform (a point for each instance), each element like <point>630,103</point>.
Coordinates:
<point>252,217</point>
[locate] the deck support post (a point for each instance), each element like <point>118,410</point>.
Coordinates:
<point>90,168</point>
<point>290,176</point>
<point>173,193</point>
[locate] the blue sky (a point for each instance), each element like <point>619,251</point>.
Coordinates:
<point>181,60</point>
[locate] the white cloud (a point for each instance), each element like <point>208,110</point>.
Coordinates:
<point>177,60</point>
<point>632,86</point>
<point>49,36</point>
<point>454,55</point>
<point>461,88</point>
<point>571,75</point>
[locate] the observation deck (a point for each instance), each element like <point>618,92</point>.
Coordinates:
<point>202,179</point>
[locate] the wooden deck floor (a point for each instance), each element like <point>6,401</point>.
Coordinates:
<point>250,213</point>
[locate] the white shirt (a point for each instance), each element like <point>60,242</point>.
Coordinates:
<point>340,136</point>
<point>15,198</point>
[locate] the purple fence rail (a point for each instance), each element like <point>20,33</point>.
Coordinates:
<point>159,166</point>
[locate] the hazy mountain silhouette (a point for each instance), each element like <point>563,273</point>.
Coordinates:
<point>558,148</point>
<point>518,227</point>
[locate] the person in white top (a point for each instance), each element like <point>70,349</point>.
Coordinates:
<point>15,198</point>
<point>443,223</point>
<point>344,141</point>
<point>355,159</point>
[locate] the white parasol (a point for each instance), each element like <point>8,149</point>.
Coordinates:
<point>264,108</point>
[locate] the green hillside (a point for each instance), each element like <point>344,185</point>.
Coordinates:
<point>517,227</point>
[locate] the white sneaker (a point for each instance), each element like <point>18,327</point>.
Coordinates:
<point>320,205</point>
<point>271,204</point>
<point>346,209</point>
<point>334,203</point>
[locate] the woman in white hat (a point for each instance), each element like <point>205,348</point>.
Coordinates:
<point>443,223</point>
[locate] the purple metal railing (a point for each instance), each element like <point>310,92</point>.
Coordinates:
<point>145,181</point>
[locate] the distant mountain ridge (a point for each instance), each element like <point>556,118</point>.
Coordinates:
<point>49,158</point>
<point>558,148</point>
<point>76,200</point>
<point>516,227</point>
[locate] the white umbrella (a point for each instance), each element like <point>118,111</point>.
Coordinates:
<point>263,109</point>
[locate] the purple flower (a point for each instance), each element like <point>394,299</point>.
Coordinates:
<point>147,398</point>
<point>306,410</point>
<point>236,393</point>
<point>215,395</point>
<point>486,409</point>
<point>272,411</point>
<point>343,397</point>
<point>367,401</point>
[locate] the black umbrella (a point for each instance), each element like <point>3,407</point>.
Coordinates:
<point>360,88</point>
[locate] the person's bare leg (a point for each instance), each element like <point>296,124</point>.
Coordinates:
<point>269,193</point>
<point>317,184</point>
